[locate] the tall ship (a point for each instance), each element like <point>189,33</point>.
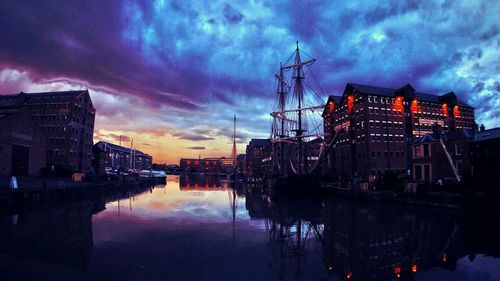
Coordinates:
<point>299,143</point>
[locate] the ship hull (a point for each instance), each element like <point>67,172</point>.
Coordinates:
<point>294,185</point>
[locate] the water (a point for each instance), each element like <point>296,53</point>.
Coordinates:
<point>200,229</point>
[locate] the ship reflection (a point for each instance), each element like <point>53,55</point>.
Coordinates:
<point>359,241</point>
<point>304,239</point>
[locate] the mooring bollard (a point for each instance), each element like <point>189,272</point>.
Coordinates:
<point>13,182</point>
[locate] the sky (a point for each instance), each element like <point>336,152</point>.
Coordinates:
<point>171,74</point>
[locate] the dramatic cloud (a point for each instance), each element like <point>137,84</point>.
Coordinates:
<point>179,70</point>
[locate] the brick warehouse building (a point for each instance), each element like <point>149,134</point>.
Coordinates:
<point>376,126</point>
<point>22,144</point>
<point>67,119</point>
<point>115,157</point>
<point>198,165</point>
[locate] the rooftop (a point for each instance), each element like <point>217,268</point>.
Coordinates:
<point>459,134</point>
<point>46,95</point>
<point>487,135</point>
<point>116,147</point>
<point>335,99</point>
<point>260,143</point>
<point>390,92</point>
<point>425,139</point>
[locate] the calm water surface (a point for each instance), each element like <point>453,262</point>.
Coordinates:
<point>201,229</point>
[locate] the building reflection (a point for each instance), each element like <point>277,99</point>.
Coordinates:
<point>202,182</point>
<point>209,183</point>
<point>56,234</point>
<point>380,243</point>
<point>60,235</point>
<point>361,241</point>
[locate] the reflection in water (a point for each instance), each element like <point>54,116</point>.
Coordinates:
<point>202,182</point>
<point>368,242</point>
<point>240,233</point>
<point>59,235</point>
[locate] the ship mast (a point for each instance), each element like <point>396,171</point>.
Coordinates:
<point>282,93</point>
<point>280,129</point>
<point>234,152</point>
<point>299,91</point>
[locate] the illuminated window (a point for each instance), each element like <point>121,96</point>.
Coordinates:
<point>398,103</point>
<point>331,106</point>
<point>414,106</point>
<point>445,109</point>
<point>350,103</point>
<point>456,111</point>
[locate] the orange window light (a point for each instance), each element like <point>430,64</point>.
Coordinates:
<point>350,103</point>
<point>445,109</point>
<point>414,106</point>
<point>456,111</point>
<point>397,271</point>
<point>398,103</point>
<point>331,106</point>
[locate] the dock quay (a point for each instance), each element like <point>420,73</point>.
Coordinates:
<point>33,191</point>
<point>426,199</point>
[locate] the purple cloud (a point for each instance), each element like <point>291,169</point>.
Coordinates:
<point>180,64</point>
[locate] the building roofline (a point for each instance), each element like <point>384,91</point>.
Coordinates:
<point>386,92</point>
<point>122,148</point>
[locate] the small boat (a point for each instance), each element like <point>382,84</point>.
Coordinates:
<point>152,174</point>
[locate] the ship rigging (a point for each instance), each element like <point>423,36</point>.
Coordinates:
<point>299,143</point>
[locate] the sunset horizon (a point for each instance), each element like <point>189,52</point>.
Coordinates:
<point>171,75</point>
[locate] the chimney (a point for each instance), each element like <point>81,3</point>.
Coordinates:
<point>482,128</point>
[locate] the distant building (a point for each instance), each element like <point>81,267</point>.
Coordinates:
<point>226,164</point>
<point>67,120</point>
<point>376,126</point>
<point>258,157</point>
<point>121,158</point>
<point>241,162</point>
<point>198,165</point>
<point>169,168</point>
<point>22,144</point>
<point>206,165</point>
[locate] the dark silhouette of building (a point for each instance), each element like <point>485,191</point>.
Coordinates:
<point>377,126</point>
<point>258,156</point>
<point>67,119</point>
<point>22,144</point>
<point>120,158</point>
<point>486,154</point>
<point>241,162</point>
